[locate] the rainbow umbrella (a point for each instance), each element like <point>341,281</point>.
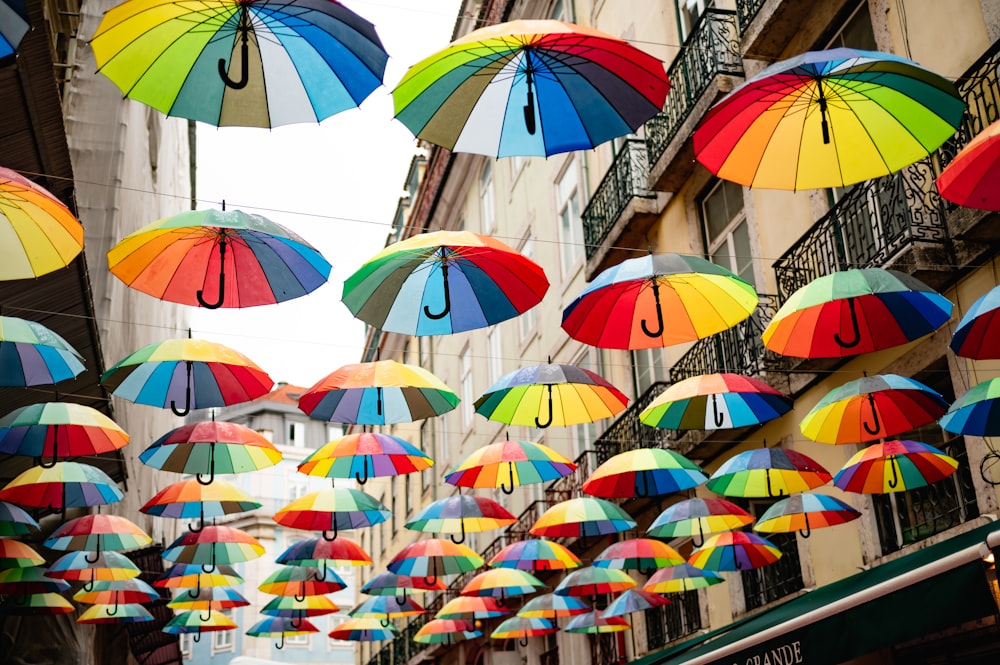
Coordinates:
<point>595,622</point>
<point>530,87</point>
<point>98,533</point>
<point>123,613</point>
<point>378,393</point>
<point>62,485</point>
<point>894,466</point>
<point>80,567</point>
<point>213,545</point>
<point>855,311</point>
<point>391,584</point>
<point>210,447</point>
<point>301,581</point>
<point>975,412</point>
<point>33,355</point>
<point>193,621</point>
<point>828,119</point>
<point>550,394</point>
<point>521,628</point>
<point>446,631</point>
<point>35,604</point>
<point>363,630</point>
<point>230,64</point>
<point>365,455</point>
<point>209,598</point>
<point>593,581</point>
<point>319,552</point>
<point>582,517</point>
<point>40,234</point>
<point>15,554</point>
<point>280,627</point>
<point>551,606</point>
<point>971,178</point>
<point>872,408</point>
<point>643,472</point>
<point>193,578</point>
<point>444,282</point>
<point>117,592</point>
<point>633,600</point>
<point>715,401</point>
<point>386,608</point>
<point>501,583</point>
<point>335,510</point>
<point>535,554</point>
<point>15,522</point>
<point>681,578</point>
<point>509,464</point>
<point>190,499</point>
<point>59,429</point>
<point>698,517</point>
<point>432,558</point>
<point>734,550</point>
<point>767,472</point>
<point>297,607</point>
<point>14,26</point>
<point>472,608</point>
<point>805,512</point>
<point>460,514</point>
<point>29,581</point>
<point>185,374</point>
<point>976,335</point>
<point>656,301</point>
<point>642,554</point>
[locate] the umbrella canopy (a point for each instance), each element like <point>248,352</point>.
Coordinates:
<point>582,517</point>
<point>386,607</point>
<point>629,305</point>
<point>828,119</point>
<point>767,472</point>
<point>535,554</point>
<point>332,510</point>
<point>432,558</point>
<point>642,554</point>
<point>502,583</point>
<point>681,578</point>
<point>317,551</point>
<point>643,472</point>
<point>62,485</point>
<point>378,393</point>
<point>15,522</point>
<point>35,604</point>
<point>976,335</point>
<point>33,355</point>
<point>715,401</point>
<point>29,581</point>
<point>117,592</point>
<point>190,499</point>
<point>805,512</point>
<point>194,621</point>
<point>444,282</point>
<point>59,429</point>
<point>697,517</point>
<point>894,466</point>
<point>855,311</point>
<point>185,374</point>
<point>209,598</point>
<point>365,455</point>
<point>633,600</point>
<point>550,394</point>
<point>210,447</point>
<point>593,581</point>
<point>297,607</point>
<point>363,630</point>
<point>521,627</point>
<point>509,464</point>
<point>280,627</point>
<point>39,234</point>
<point>972,178</point>
<point>121,613</point>
<point>872,408</point>
<point>734,550</point>
<point>15,554</point>
<point>192,577</point>
<point>391,584</point>
<point>460,514</point>
<point>98,533</point>
<point>551,606</point>
<point>214,545</point>
<point>975,412</point>
<point>228,63</point>
<point>446,631</point>
<point>13,27</point>
<point>536,87</point>
<point>104,567</point>
<point>594,622</point>
<point>301,581</point>
<point>473,608</point>
<point>218,259</point>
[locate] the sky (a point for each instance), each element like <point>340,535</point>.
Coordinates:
<point>336,184</point>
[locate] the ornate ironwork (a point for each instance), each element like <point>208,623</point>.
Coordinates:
<point>979,86</point>
<point>568,487</point>
<point>711,49</point>
<point>671,622</point>
<point>550,657</point>
<point>628,432</point>
<point>769,583</point>
<point>746,12</point>
<point>519,529</point>
<point>625,180</point>
<point>604,649</point>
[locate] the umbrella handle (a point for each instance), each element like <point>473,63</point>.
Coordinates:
<point>504,488</point>
<point>736,560</point>
<point>462,539</point>
<point>538,422</point>
<point>894,481</point>
<point>876,427</point>
<point>211,466</point>
<point>301,596</point>
<point>210,568</point>
<point>770,492</point>
<point>322,576</point>
<point>447,292</point>
<point>808,531</point>
<point>529,108</point>
<point>326,531</point>
<point>187,397</point>
<point>295,621</point>
<point>357,474</point>
<point>55,450</point>
<point>244,29</point>
<point>206,617</point>
<point>822,111</point>
<point>201,520</point>
<point>401,599</point>
<point>659,313</point>
<point>523,641</point>
<point>281,644</point>
<point>111,611</point>
<point>196,637</point>
<point>385,622</point>
<point>854,328</point>
<point>196,591</point>
<point>701,536</point>
<point>717,417</point>
<point>431,581</point>
<point>222,243</point>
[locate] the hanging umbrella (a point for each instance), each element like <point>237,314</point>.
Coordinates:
<point>550,394</point>
<point>715,401</point>
<point>335,510</point>
<point>60,486</point>
<point>894,466</point>
<point>319,552</point>
<point>535,554</point>
<point>192,499</point>
<point>59,429</point>
<point>643,472</point>
<point>301,581</point>
<point>855,311</point>
<point>81,567</point>
<point>656,301</point>
<point>446,631</point>
<point>214,545</point>
<point>976,334</point>
<point>185,374</point>
<point>15,522</point>
<point>520,628</point>
<point>508,464</point>
<point>594,622</point>
<point>633,600</point>
<point>444,282</point>
<point>536,87</point>
<point>972,177</point>
<point>734,550</point>
<point>593,581</point>
<point>281,627</point>
<point>582,517</point>
<point>40,234</point>
<point>976,412</point>
<point>13,27</point>
<point>699,517</point>
<point>228,63</point>
<point>298,607</point>
<point>460,514</point>
<point>767,472</point>
<point>33,355</point>
<point>193,578</point>
<point>386,608</point>
<point>183,259</point>
<point>551,606</point>
<point>127,613</point>
<point>502,583</point>
<point>210,447</point>
<point>391,584</point>
<point>872,408</point>
<point>195,622</point>
<point>117,592</point>
<point>642,554</point>
<point>29,581</point>
<point>828,119</point>
<point>365,455</point>
<point>15,554</point>
<point>805,512</point>
<point>363,630</point>
<point>98,533</point>
<point>472,608</point>
<point>209,598</point>
<point>432,558</point>
<point>378,393</point>
<point>35,604</point>
<point>681,578</point>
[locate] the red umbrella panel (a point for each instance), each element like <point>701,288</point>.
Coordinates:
<point>972,179</point>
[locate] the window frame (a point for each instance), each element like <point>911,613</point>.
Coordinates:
<point>571,239</point>
<point>487,199</point>
<point>725,238</point>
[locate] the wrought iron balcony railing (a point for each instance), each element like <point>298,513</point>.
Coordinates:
<point>626,179</point>
<point>711,49</point>
<point>568,487</point>
<point>979,86</point>
<point>628,432</point>
<point>746,12</point>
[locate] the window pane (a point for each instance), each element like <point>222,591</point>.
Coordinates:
<point>742,262</point>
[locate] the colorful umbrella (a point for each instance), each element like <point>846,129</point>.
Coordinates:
<point>444,282</point>
<point>319,552</point>
<point>391,584</point>
<point>715,401</point>
<point>193,621</point>
<point>767,472</point>
<point>209,598</point>
<point>805,512</point>
<point>976,335</point>
<point>642,554</point>
<point>593,581</point>
<point>39,234</point>
<point>59,429</point>
<point>15,522</point>
<point>365,455</point>
<point>298,607</point>
<point>98,533</point>
<point>280,627</point>
<point>117,592</point>
<point>509,464</point>
<point>535,554</point>
<point>828,119</point>
<point>191,499</point>
<point>855,311</point>
<point>123,613</point>
<point>185,374</point>
<point>363,630</point>
<point>698,517</point>
<point>972,178</point>
<point>33,355</point>
<point>734,550</point>
<point>386,608</point>
<point>521,628</point>
<point>29,581</point>
<point>214,545</point>
<point>551,606</point>
<point>530,88</point>
<point>872,408</point>
<point>550,394</point>
<point>594,622</point>
<point>81,567</point>
<point>582,517</point>
<point>460,514</point>
<point>501,583</point>
<point>378,393</point>
<point>15,554</point>
<point>336,509</point>
<point>210,447</point>
<point>643,472</point>
<point>230,63</point>
<point>301,581</point>
<point>633,600</point>
<point>193,578</point>
<point>894,466</point>
<point>976,412</point>
<point>472,608</point>
<point>35,604</point>
<point>63,485</point>
<point>13,27</point>
<point>182,259</point>
<point>446,631</point>
<point>629,305</point>
<point>432,558</point>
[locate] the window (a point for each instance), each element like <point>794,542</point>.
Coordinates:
<point>558,12</point>
<point>267,434</point>
<point>392,499</point>
<point>486,199</point>
<point>725,227</point>
<point>406,494</point>
<point>335,621</point>
<point>297,641</point>
<point>427,445</point>
<point>334,431</point>
<point>648,367</point>
<point>568,211</point>
<point>465,371</point>
<point>297,486</point>
<point>495,354</point>
<point>857,31</point>
<point>187,645</point>
<point>223,640</point>
<point>527,320</point>
<point>671,622</point>
<point>296,434</point>
<point>688,13</point>
<point>586,433</point>
<point>770,583</point>
<point>445,449</point>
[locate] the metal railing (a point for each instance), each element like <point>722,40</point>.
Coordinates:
<point>568,487</point>
<point>979,87</point>
<point>668,623</point>
<point>627,179</point>
<point>769,583</point>
<point>628,432</point>
<point>746,12</point>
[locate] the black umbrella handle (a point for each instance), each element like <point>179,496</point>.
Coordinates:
<point>659,313</point>
<point>538,421</point>
<point>187,397</point>
<point>222,274</point>
<point>718,417</point>
<point>447,292</point>
<point>529,108</point>
<point>856,329</point>
<point>504,488</point>
<point>244,28</point>
<point>211,466</point>
<point>876,426</point>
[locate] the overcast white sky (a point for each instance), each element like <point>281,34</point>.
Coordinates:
<point>336,184</point>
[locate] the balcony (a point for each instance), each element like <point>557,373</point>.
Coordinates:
<point>768,28</point>
<point>668,623</point>
<point>701,73</point>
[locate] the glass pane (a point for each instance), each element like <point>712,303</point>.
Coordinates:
<point>858,32</point>
<point>716,216</point>
<point>741,249</point>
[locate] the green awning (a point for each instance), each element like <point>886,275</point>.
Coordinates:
<point>935,588</point>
